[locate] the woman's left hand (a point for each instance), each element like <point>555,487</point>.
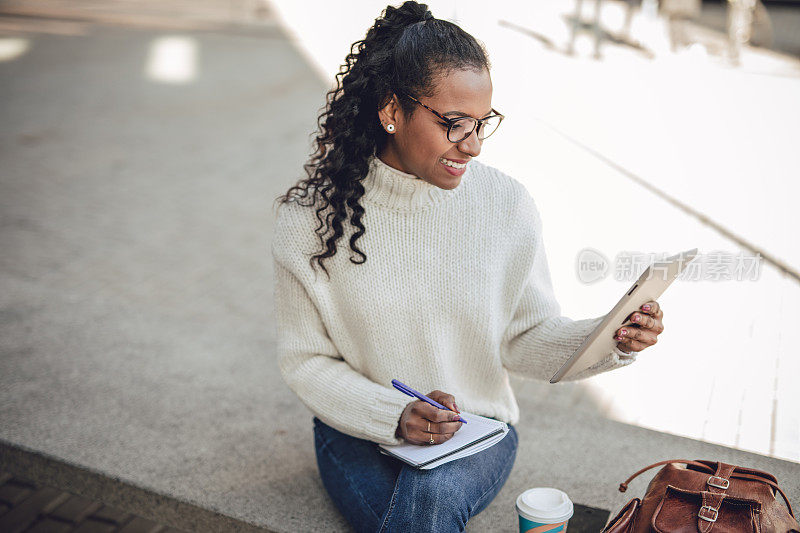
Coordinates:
<point>644,331</point>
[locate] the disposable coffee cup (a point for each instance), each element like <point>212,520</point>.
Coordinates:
<point>543,510</point>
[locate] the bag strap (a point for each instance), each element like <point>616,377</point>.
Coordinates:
<point>624,486</point>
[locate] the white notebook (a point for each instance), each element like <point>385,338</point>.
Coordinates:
<point>476,435</point>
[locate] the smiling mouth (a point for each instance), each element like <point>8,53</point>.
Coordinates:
<point>452,164</point>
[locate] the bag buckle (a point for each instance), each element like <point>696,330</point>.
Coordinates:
<point>710,509</point>
<point>718,482</point>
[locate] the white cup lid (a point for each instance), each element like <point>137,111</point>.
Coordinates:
<point>545,505</point>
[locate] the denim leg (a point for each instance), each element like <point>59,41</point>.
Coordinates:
<point>359,479</point>
<point>444,498</point>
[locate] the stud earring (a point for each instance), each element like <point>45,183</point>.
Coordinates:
<point>390,128</point>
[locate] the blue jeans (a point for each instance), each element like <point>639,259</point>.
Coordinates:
<point>378,493</point>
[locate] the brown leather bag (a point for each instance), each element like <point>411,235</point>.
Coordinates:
<point>705,496</point>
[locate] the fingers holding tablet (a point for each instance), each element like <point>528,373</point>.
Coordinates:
<point>643,330</point>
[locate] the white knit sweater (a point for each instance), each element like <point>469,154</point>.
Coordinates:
<point>455,294</point>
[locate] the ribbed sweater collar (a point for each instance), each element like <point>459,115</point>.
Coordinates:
<point>391,188</point>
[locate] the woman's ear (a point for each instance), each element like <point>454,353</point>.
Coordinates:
<point>390,113</point>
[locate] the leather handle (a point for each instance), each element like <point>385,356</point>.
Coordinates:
<point>624,485</point>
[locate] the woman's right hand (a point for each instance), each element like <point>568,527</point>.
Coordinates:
<point>413,426</point>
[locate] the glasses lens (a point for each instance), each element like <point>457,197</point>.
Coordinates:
<point>489,126</point>
<point>460,129</point>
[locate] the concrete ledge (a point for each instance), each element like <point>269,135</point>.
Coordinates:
<point>576,451</point>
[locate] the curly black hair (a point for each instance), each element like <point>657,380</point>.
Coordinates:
<point>404,53</point>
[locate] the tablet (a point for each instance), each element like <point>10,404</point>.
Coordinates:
<point>650,285</point>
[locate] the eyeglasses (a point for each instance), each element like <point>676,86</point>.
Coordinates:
<point>460,128</point>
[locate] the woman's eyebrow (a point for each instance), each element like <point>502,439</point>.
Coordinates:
<point>462,114</point>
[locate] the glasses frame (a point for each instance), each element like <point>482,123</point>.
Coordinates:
<point>477,122</point>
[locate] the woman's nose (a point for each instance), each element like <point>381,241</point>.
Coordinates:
<point>471,145</point>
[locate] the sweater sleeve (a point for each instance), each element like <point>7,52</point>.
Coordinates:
<point>314,370</point>
<point>538,339</point>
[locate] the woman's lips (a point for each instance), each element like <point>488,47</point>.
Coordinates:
<point>452,170</point>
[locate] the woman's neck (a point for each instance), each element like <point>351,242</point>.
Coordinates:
<point>390,156</point>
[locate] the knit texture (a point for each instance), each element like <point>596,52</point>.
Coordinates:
<point>455,294</point>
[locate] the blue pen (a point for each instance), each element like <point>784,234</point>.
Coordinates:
<point>411,392</point>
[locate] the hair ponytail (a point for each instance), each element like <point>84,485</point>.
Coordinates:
<point>401,53</point>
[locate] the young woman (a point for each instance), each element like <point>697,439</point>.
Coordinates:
<point>401,256</point>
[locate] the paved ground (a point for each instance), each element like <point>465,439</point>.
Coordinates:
<point>137,352</point>
<point>29,507</point>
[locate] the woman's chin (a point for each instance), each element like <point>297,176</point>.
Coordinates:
<point>450,184</point>
<point>447,182</point>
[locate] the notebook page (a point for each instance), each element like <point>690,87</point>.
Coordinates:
<point>476,427</point>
